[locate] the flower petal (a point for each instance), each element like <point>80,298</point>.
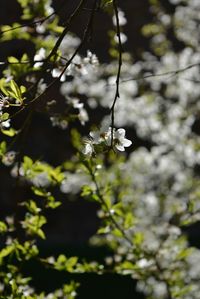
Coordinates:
<point>120,133</point>
<point>120,147</point>
<point>127,142</point>
<point>88,150</point>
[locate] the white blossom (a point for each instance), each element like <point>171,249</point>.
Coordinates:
<point>9,158</point>
<point>120,141</point>
<point>57,73</point>
<point>40,55</point>
<point>41,180</point>
<point>88,149</point>
<point>122,19</point>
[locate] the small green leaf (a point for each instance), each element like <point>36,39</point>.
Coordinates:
<point>71,262</point>
<point>22,89</point>
<point>11,132</point>
<point>15,88</point>
<point>129,220</point>
<point>6,251</point>
<point>41,234</point>
<point>27,164</point>
<point>12,59</point>
<point>3,227</point>
<point>116,232</point>
<point>138,238</point>
<point>3,148</point>
<point>103,230</point>
<point>4,117</point>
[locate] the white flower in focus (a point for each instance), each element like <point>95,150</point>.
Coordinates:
<point>117,138</point>
<point>103,135</point>
<point>120,141</point>
<point>96,137</point>
<point>106,137</point>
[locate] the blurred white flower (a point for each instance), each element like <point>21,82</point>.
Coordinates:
<point>41,180</point>
<point>123,38</point>
<point>9,158</point>
<point>122,19</point>
<point>57,73</point>
<point>88,149</point>
<point>41,54</point>
<point>83,116</point>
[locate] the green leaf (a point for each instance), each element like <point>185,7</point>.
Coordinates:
<point>103,230</point>
<point>53,204</point>
<point>4,117</point>
<point>3,148</point>
<point>107,201</point>
<point>15,89</point>
<point>41,234</point>
<point>39,192</point>
<point>22,89</point>
<point>11,132</point>
<point>12,59</point>
<point>61,259</point>
<point>86,190</point>
<point>27,164</point>
<point>129,220</point>
<point>3,89</point>
<point>6,251</point>
<point>32,207</point>
<point>138,239</point>
<point>116,232</point>
<point>3,227</point>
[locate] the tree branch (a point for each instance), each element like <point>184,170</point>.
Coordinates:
<point>117,93</point>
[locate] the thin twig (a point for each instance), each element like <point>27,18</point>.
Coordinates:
<point>103,202</point>
<point>86,32</point>
<point>33,23</point>
<point>55,48</point>
<point>117,94</point>
<point>66,29</point>
<point>173,72</point>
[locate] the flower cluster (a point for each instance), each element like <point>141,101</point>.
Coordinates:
<point>106,138</point>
